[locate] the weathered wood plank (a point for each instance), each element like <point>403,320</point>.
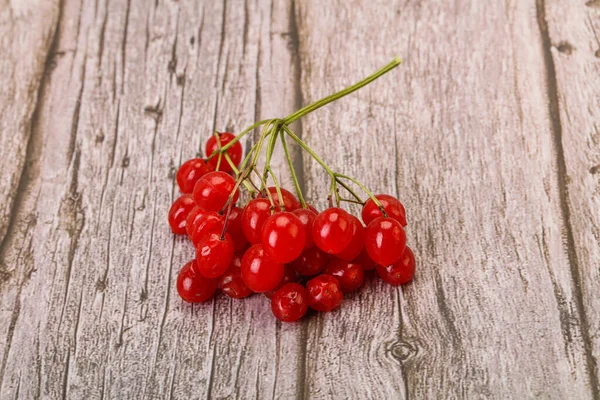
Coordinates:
<point>91,306</point>
<point>573,55</point>
<point>461,133</point>
<point>24,57</point>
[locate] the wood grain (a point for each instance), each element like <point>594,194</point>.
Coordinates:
<point>488,133</point>
<point>573,54</point>
<point>454,133</point>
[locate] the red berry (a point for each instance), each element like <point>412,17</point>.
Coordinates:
<point>189,173</point>
<point>191,220</point>
<point>234,152</point>
<point>332,230</point>
<point>290,303</point>
<point>289,200</point>
<point>311,262</point>
<point>385,240</point>
<point>193,287</point>
<point>400,272</point>
<point>259,271</point>
<point>356,244</point>
<point>391,205</point>
<point>213,189</point>
<point>231,281</point>
<point>209,222</point>
<point>364,260</point>
<point>178,213</point>
<point>324,293</point>
<point>289,276</point>
<point>283,237</point>
<point>307,217</point>
<point>349,274</point>
<point>214,255</point>
<point>234,228</point>
<point>254,216</point>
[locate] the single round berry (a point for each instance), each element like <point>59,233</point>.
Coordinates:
<point>401,272</point>
<point>391,205</point>
<point>324,293</point>
<point>349,274</point>
<point>289,276</point>
<point>290,201</point>
<point>214,255</point>
<point>307,217</point>
<point>178,213</point>
<point>189,173</point>
<point>254,216</point>
<point>283,237</point>
<point>357,243</point>
<point>259,271</point>
<point>191,220</point>
<point>209,222</point>
<point>213,189</point>
<point>364,260</point>
<point>192,286</point>
<point>290,302</point>
<point>385,240</point>
<point>231,281</point>
<point>311,262</point>
<point>332,230</point>
<point>234,152</point>
<point>234,228</point>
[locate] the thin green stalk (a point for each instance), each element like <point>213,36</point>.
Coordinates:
<point>367,191</point>
<point>292,171</point>
<point>277,188</point>
<point>237,138</point>
<point>320,103</point>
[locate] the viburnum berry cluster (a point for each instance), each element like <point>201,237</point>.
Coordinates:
<point>277,244</point>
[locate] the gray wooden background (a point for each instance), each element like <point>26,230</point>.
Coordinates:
<point>489,133</point>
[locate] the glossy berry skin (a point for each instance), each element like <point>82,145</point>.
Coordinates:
<point>209,222</point>
<point>178,213</point>
<point>189,173</point>
<point>191,220</point>
<point>290,201</point>
<point>311,262</point>
<point>385,240</point>
<point>231,281</point>
<point>357,243</point>
<point>289,276</point>
<point>254,216</point>
<point>259,271</point>
<point>349,274</point>
<point>290,302</point>
<point>283,237</point>
<point>234,152</point>
<point>214,255</point>
<point>332,230</point>
<point>364,260</point>
<point>324,293</point>
<point>234,228</point>
<point>391,205</point>
<point>307,217</point>
<point>192,286</point>
<point>213,189</point>
<point>400,272</point>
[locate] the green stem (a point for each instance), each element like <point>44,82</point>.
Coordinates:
<point>270,149</point>
<point>277,188</point>
<point>237,172</point>
<point>292,171</point>
<point>367,191</point>
<point>237,138</point>
<point>318,104</point>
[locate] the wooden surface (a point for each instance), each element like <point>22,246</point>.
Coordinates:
<point>489,133</point>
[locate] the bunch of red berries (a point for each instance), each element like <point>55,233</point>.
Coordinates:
<point>277,244</point>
